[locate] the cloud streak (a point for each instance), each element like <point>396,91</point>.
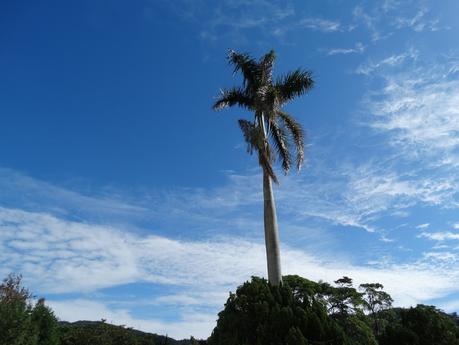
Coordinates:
<point>358,49</point>
<point>418,109</point>
<point>320,24</point>
<point>418,22</point>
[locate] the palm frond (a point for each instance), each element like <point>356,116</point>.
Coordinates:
<point>297,134</point>
<point>270,99</point>
<point>234,96</point>
<point>280,141</point>
<point>266,65</point>
<point>293,84</point>
<point>255,141</point>
<point>249,131</point>
<point>247,65</point>
<point>265,159</point>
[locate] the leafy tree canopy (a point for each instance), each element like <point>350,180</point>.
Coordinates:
<point>301,311</point>
<point>422,325</point>
<point>295,312</point>
<point>21,323</point>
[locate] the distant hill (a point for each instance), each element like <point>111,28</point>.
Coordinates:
<point>72,333</point>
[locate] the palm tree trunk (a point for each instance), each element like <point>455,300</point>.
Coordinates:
<point>271,232</point>
<point>270,221</point>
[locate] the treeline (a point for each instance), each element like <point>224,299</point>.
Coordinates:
<point>299,312</point>
<point>100,332</point>
<point>25,323</point>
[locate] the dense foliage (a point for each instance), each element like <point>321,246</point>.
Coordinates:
<point>21,323</point>
<point>423,325</point>
<point>305,312</point>
<point>299,312</point>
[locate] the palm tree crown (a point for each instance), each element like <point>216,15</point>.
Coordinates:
<point>273,133</point>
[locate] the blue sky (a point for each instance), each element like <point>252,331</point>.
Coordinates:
<point>124,196</point>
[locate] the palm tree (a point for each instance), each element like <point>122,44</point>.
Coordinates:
<point>272,133</point>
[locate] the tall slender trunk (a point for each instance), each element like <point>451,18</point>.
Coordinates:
<point>270,220</point>
<point>271,232</point>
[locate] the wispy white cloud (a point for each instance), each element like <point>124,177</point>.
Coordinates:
<point>370,21</point>
<point>250,14</point>
<point>440,236</point>
<point>63,254</point>
<point>320,24</point>
<point>413,109</point>
<point>418,22</point>
<point>232,19</point>
<point>384,19</point>
<point>358,49</point>
<point>423,226</point>
<point>389,5</point>
<point>382,184</point>
<point>443,260</point>
<point>236,20</point>
<point>20,190</point>
<point>447,257</point>
<point>369,68</point>
<point>418,108</point>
